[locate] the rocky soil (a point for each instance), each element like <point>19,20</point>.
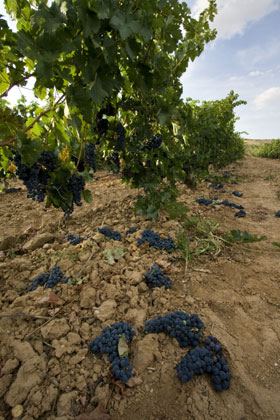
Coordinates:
<point>46,369</point>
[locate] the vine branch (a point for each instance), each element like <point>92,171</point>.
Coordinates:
<point>15,84</point>
<point>13,138</point>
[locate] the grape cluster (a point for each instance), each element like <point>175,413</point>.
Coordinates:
<point>107,343</point>
<point>74,239</point>
<point>220,374</point>
<point>108,110</point>
<point>204,201</point>
<point>90,155</point>
<point>228,204</point>
<point>112,234</point>
<point>12,190</point>
<point>76,184</point>
<point>49,160</point>
<point>237,193</point>
<point>155,277</point>
<point>179,325</point>
<point>206,359</point>
<point>154,142</point>
<point>102,126</point>
<point>48,280</point>
<point>216,201</point>
<point>35,178</point>
<point>212,343</point>
<point>122,369</point>
<point>240,213</point>
<point>277,214</point>
<point>217,186</point>
<point>120,130</point>
<point>196,362</point>
<point>69,211</point>
<point>155,240</point>
<point>114,157</point>
<point>131,230</point>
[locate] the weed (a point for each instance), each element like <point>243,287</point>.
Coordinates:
<point>11,253</point>
<point>183,245</point>
<point>72,255</point>
<point>235,236</point>
<point>74,282</point>
<point>270,177</point>
<point>201,238</point>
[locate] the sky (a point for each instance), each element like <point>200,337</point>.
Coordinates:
<point>244,57</point>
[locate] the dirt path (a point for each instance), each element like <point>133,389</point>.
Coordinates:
<point>45,365</point>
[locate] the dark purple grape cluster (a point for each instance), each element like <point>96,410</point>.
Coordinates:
<point>241,213</point>
<point>216,186</point>
<point>122,369</point>
<point>237,193</point>
<point>120,130</point>
<point>154,142</point>
<point>102,126</point>
<point>76,184</point>
<point>196,362</point>
<point>206,359</point>
<point>69,211</point>
<point>213,344</point>
<point>90,155</point>
<point>207,201</point>
<point>155,277</point>
<point>155,240</point>
<point>74,239</point>
<point>204,201</point>
<point>115,159</point>
<point>228,204</point>
<point>179,325</point>
<point>112,234</point>
<point>40,280</point>
<point>48,280</point>
<point>108,110</point>
<point>220,374</point>
<point>107,343</point>
<point>49,160</point>
<point>35,178</point>
<point>131,230</point>
<point>12,190</point>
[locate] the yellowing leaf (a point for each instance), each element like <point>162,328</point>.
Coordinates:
<point>12,168</point>
<point>64,154</point>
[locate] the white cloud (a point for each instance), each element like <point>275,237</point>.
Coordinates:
<point>269,97</point>
<point>256,73</point>
<point>234,15</point>
<point>236,78</point>
<point>257,54</point>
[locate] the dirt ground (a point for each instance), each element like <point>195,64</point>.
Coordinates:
<point>45,365</point>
